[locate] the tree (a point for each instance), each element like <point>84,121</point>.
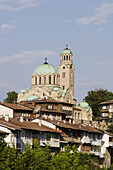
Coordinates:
<point>95,97</point>
<point>11,97</point>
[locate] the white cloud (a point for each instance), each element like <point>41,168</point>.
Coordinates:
<point>8,27</point>
<point>27,57</point>
<point>17,5</point>
<point>100,15</point>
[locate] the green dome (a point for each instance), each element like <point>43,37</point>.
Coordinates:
<point>23,91</point>
<point>33,97</point>
<point>85,106</point>
<point>66,51</point>
<point>45,68</point>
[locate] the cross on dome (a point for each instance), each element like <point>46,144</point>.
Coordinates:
<point>66,46</point>
<point>46,60</point>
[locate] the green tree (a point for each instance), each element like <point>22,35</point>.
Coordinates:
<point>95,97</point>
<point>11,97</point>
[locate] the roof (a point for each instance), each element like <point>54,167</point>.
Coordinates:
<point>15,124</point>
<point>81,127</point>
<point>106,102</point>
<point>45,68</point>
<point>16,106</point>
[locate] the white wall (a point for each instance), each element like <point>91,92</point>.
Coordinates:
<point>6,111</point>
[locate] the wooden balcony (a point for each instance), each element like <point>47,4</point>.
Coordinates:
<point>71,139</point>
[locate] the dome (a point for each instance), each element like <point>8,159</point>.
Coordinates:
<point>45,68</point>
<point>66,51</point>
<point>85,106</point>
<point>23,91</point>
<point>33,97</point>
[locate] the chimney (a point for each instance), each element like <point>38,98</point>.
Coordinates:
<point>73,121</point>
<point>64,121</point>
<point>40,122</point>
<point>21,119</point>
<point>69,120</point>
<point>7,118</point>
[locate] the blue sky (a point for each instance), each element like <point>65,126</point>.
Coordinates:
<point>31,30</point>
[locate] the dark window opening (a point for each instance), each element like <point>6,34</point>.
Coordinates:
<point>49,79</point>
<point>39,80</point>
<point>66,57</point>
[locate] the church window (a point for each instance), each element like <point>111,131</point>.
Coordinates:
<point>49,79</point>
<point>66,57</point>
<point>35,80</point>
<point>63,87</point>
<point>63,75</point>
<point>54,80</point>
<point>63,67</point>
<point>44,80</point>
<point>69,57</point>
<point>39,80</point>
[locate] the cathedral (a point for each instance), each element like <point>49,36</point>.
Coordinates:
<point>47,82</point>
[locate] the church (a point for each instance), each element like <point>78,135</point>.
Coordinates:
<point>47,82</point>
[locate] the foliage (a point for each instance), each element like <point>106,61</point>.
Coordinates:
<point>11,97</point>
<point>95,97</point>
<point>110,128</point>
<point>38,158</point>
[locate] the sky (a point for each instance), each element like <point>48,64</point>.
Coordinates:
<point>31,30</point>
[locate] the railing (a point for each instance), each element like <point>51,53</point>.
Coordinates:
<point>86,140</point>
<point>96,142</point>
<point>97,153</point>
<point>71,139</point>
<point>110,143</point>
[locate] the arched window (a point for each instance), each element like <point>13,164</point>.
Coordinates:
<point>49,79</point>
<point>35,80</point>
<point>39,80</point>
<point>44,80</point>
<point>54,80</point>
<point>66,57</point>
<point>69,57</point>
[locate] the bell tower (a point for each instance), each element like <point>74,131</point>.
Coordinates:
<point>66,70</point>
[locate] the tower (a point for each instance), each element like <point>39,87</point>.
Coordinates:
<point>66,70</point>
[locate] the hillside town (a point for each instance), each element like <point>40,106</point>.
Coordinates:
<point>48,113</point>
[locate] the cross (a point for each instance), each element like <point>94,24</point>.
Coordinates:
<point>45,60</point>
<point>66,46</point>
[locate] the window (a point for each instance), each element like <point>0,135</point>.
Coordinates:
<point>39,80</point>
<point>54,80</point>
<point>66,57</point>
<point>63,87</point>
<point>44,80</point>
<point>18,134</point>
<point>27,135</point>
<point>48,137</point>
<point>35,80</point>
<point>63,75</point>
<point>69,57</point>
<point>63,67</point>
<point>49,79</point>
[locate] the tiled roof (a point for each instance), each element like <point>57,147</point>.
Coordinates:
<point>106,102</point>
<point>16,106</point>
<point>80,127</point>
<point>14,124</point>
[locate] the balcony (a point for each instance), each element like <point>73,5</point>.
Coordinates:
<point>86,139</point>
<point>96,142</point>
<point>111,143</point>
<point>97,153</point>
<point>51,143</point>
<point>71,139</point>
